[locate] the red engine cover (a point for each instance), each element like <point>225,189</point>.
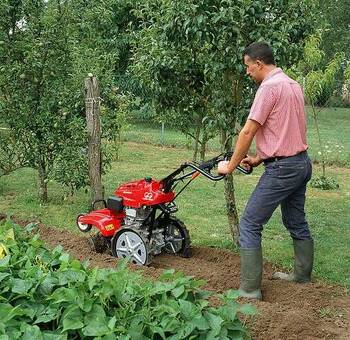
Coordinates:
<point>143,192</point>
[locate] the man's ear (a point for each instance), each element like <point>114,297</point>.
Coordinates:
<point>260,64</point>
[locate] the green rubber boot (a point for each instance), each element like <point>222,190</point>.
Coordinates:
<point>303,262</point>
<point>251,273</point>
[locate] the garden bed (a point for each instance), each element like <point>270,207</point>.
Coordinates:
<point>289,311</point>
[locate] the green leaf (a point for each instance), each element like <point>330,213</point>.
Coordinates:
<point>30,332</point>
<point>167,274</point>
<point>136,326</point>
<point>51,313</point>
<point>7,312</point>
<point>169,323</point>
<point>64,258</point>
<point>111,322</point>
<point>57,250</point>
<point>21,286</point>
<point>30,227</point>
<point>64,294</point>
<point>70,276</point>
<point>188,309</point>
<point>158,331</point>
<point>178,291</point>
<point>201,323</point>
<point>186,330</point>
<point>13,332</point>
<point>96,322</point>
<point>232,294</point>
<point>47,285</point>
<point>54,336</point>
<point>33,308</point>
<point>248,309</point>
<point>72,318</point>
<point>3,275</point>
<point>237,326</point>
<point>4,262</point>
<point>214,322</point>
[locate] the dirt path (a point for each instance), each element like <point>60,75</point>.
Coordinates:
<point>289,311</point>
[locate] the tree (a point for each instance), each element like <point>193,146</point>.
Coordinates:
<point>190,55</point>
<point>47,48</point>
<point>102,43</point>
<point>334,20</point>
<point>36,65</point>
<point>319,82</point>
<point>170,66</point>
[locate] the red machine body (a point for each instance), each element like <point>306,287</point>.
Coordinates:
<point>145,192</point>
<point>105,220</point>
<point>136,194</point>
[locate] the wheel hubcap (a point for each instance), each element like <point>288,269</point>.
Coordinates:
<point>83,226</point>
<point>130,244</point>
<point>173,239</point>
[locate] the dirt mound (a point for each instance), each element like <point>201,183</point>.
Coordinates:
<point>289,311</point>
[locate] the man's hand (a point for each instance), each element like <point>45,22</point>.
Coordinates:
<point>223,168</point>
<point>247,163</point>
<point>251,162</point>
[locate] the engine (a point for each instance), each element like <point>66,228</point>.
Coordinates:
<point>134,219</point>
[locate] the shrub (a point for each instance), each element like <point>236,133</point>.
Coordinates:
<point>324,183</point>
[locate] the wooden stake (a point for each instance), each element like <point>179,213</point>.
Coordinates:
<point>92,104</point>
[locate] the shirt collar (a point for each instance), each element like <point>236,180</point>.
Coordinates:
<point>272,73</point>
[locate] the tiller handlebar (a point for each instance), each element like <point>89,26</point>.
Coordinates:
<point>196,169</point>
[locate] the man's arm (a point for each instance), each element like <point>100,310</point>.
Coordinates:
<point>243,144</point>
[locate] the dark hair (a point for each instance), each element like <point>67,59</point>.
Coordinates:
<point>260,51</point>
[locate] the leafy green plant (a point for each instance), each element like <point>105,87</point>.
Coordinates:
<point>324,183</point>
<point>47,294</point>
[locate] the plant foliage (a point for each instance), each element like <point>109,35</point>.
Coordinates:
<point>48,295</point>
<point>324,183</point>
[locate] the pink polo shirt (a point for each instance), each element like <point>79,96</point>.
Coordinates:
<point>279,108</point>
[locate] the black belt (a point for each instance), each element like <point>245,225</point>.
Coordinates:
<point>277,158</point>
<point>274,159</point>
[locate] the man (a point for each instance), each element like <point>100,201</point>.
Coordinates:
<point>277,121</point>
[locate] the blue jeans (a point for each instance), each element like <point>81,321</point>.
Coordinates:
<point>283,183</point>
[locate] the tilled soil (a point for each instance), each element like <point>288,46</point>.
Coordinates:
<point>288,311</point>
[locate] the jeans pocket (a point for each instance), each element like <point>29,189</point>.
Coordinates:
<point>291,171</point>
<point>271,170</point>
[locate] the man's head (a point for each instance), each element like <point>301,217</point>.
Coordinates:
<point>259,60</point>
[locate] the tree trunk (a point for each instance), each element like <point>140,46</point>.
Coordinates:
<point>231,207</point>
<point>323,161</point>
<point>203,144</point>
<point>196,142</point>
<point>92,103</point>
<point>42,182</point>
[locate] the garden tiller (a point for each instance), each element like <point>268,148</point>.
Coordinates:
<point>139,220</point>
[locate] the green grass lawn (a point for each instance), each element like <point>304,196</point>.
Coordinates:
<point>201,207</point>
<point>334,125</point>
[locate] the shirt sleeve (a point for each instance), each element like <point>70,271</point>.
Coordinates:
<point>263,104</point>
